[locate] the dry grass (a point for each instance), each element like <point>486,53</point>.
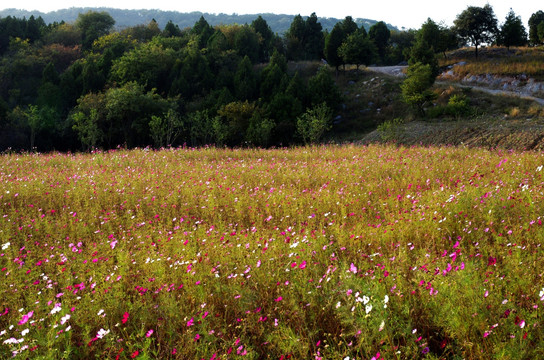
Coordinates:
<point>498,61</point>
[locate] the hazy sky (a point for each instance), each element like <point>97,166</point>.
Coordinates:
<point>401,13</point>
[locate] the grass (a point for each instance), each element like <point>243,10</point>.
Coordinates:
<point>315,252</point>
<point>498,61</point>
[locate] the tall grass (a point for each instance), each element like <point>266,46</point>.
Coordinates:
<point>317,252</point>
<point>499,62</point>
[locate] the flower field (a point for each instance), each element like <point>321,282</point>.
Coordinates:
<point>334,252</point>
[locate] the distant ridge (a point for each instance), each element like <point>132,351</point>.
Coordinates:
<point>125,18</point>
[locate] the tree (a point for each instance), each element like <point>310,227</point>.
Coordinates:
<point>203,30</point>
<point>477,25</point>
<point>332,43</point>
<point>540,31</point>
<point>324,89</point>
<point>401,42</point>
<point>416,87</point>
<point>512,32</point>
<point>171,29</point>
<point>358,49</point>
<point>314,123</point>
<point>380,34</point>
<point>265,37</point>
<point>246,43</point>
<point>534,21</point>
<point>87,128</point>
<point>245,81</point>
<point>423,53</point>
<point>295,38</point>
<point>93,25</point>
<point>166,129</point>
<point>313,39</point>
<point>349,26</point>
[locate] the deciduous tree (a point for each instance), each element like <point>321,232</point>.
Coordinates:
<point>477,25</point>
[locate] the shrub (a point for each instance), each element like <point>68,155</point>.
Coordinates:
<point>314,123</point>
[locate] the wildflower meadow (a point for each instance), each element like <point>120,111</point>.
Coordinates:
<point>325,252</point>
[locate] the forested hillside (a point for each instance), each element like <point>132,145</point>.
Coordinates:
<point>87,83</point>
<point>80,85</point>
<point>279,23</point>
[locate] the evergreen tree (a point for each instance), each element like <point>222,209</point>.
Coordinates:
<point>380,34</point>
<point>332,43</point>
<point>512,32</point>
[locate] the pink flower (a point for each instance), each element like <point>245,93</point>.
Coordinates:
<point>26,317</point>
<point>279,298</point>
<point>353,268</point>
<point>190,322</point>
<point>125,317</point>
<point>302,265</point>
<point>149,333</point>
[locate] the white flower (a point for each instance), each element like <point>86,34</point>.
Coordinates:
<point>541,295</point>
<point>64,319</point>
<point>368,308</point>
<point>101,333</point>
<point>24,332</point>
<point>56,309</point>
<point>366,299</point>
<point>382,325</point>
<point>338,304</point>
<point>6,245</point>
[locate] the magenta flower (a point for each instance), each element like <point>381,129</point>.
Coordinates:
<point>26,317</point>
<point>149,333</point>
<point>191,322</point>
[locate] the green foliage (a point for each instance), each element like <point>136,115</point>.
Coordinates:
<point>534,22</point>
<point>93,25</point>
<point>458,106</point>
<point>379,33</point>
<point>237,116</point>
<point>324,89</point>
<point>203,30</point>
<point>477,25</point>
<point>246,43</point>
<point>390,130</point>
<point>512,32</point>
<point>266,36</point>
<point>259,132</point>
<point>358,49</point>
<point>245,81</point>
<point>540,32</point>
<point>401,42</point>
<point>421,52</point>
<point>128,110</point>
<point>149,65</point>
<point>333,42</point>
<point>88,128</point>
<point>202,128</point>
<point>416,87</point>
<point>166,129</point>
<point>305,39</point>
<point>313,124</point>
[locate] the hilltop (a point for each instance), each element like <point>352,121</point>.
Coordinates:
<point>279,23</point>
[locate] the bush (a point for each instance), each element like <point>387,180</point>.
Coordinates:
<point>314,123</point>
<point>391,129</point>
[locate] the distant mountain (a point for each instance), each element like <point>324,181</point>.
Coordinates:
<point>125,18</point>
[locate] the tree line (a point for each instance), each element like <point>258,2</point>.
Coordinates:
<point>80,85</point>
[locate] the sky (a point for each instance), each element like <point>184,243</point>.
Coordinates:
<point>400,13</point>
